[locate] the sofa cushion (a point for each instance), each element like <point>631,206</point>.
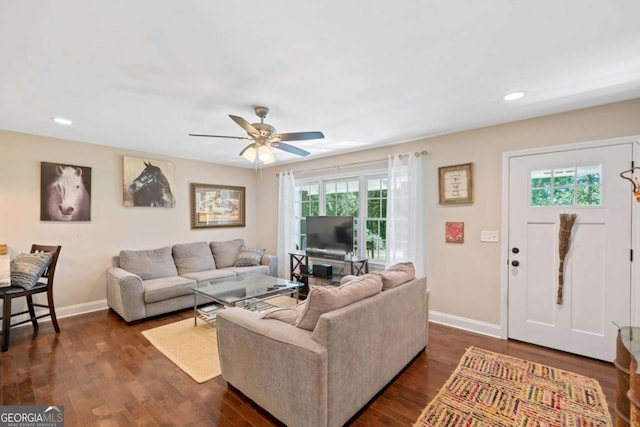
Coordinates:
<point>216,274</point>
<point>165,288</point>
<point>323,299</point>
<point>149,264</point>
<point>288,315</point>
<point>249,256</point>
<point>396,275</point>
<point>254,269</point>
<point>225,253</point>
<point>26,269</point>
<point>193,257</point>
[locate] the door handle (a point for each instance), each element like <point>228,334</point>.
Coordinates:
<point>515,263</point>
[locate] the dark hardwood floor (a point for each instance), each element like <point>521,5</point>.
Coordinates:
<point>106,373</point>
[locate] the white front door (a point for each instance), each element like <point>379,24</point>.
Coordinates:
<point>597,267</point>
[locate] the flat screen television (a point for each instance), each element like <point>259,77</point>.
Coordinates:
<point>330,235</point>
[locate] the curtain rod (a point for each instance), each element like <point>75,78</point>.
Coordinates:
<point>400,156</point>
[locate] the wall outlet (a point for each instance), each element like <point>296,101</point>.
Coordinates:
<point>489,236</point>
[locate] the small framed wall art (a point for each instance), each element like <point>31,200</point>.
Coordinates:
<point>217,206</point>
<point>454,232</point>
<point>455,184</point>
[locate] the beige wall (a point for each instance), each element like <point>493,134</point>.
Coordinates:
<point>88,247</point>
<point>464,280</point>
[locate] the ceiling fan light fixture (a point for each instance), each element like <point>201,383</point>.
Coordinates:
<point>250,153</point>
<point>265,155</point>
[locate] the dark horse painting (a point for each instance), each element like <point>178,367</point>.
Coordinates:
<point>152,188</point>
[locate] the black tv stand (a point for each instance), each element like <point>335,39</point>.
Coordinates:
<point>300,271</point>
<point>338,256</point>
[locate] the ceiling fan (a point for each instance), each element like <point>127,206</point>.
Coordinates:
<point>264,137</point>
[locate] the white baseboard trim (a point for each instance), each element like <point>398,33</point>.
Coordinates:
<point>465,324</point>
<point>68,311</point>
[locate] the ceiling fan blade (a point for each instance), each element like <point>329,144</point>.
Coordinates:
<point>245,125</point>
<point>221,136</point>
<point>297,136</point>
<point>290,149</point>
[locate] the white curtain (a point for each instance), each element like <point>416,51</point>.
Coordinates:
<point>406,221</point>
<point>286,221</point>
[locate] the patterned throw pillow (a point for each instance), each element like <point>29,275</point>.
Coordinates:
<point>249,256</point>
<point>26,269</point>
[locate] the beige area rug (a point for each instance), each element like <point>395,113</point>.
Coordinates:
<point>194,349</point>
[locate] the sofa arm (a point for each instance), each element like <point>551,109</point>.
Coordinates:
<point>125,294</point>
<point>272,262</point>
<point>275,364</point>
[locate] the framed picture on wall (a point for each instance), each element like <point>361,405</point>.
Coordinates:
<point>217,206</point>
<point>149,183</point>
<point>455,184</point>
<point>454,232</point>
<point>65,192</point>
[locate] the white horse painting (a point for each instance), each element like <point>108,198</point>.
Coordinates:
<point>65,197</point>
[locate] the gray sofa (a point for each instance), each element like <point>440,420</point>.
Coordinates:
<point>323,376</point>
<point>151,282</point>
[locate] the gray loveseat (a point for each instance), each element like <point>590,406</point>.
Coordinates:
<point>323,374</point>
<point>151,282</point>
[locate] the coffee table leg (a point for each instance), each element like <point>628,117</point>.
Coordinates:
<point>195,310</point>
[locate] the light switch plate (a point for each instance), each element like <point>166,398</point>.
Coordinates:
<point>490,236</point>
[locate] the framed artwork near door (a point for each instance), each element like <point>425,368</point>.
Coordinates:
<point>455,184</point>
<point>217,206</point>
<point>454,232</point>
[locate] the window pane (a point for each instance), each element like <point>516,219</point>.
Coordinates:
<point>374,209</point>
<point>588,196</point>
<point>563,197</point>
<point>540,197</point>
<point>567,186</point>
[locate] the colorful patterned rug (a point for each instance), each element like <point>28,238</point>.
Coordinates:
<point>495,390</point>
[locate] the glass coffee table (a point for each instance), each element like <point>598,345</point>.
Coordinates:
<point>250,291</point>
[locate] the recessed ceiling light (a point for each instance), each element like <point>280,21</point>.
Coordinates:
<point>514,95</point>
<point>62,121</point>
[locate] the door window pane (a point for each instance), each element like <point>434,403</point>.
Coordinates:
<point>568,186</point>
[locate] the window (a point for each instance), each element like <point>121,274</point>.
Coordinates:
<point>343,196</point>
<point>307,203</point>
<point>567,186</point>
<point>377,218</point>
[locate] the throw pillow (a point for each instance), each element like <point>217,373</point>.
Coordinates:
<point>225,253</point>
<point>149,264</point>
<point>193,257</point>
<point>396,275</point>
<point>323,299</point>
<point>26,269</point>
<point>288,315</point>
<point>249,256</point>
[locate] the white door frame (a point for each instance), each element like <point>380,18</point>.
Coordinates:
<point>635,221</point>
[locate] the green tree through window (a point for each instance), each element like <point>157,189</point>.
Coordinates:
<point>363,196</point>
<point>568,186</point>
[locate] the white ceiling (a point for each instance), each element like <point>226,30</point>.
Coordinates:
<point>142,74</point>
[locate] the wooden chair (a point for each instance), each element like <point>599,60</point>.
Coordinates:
<point>9,293</point>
